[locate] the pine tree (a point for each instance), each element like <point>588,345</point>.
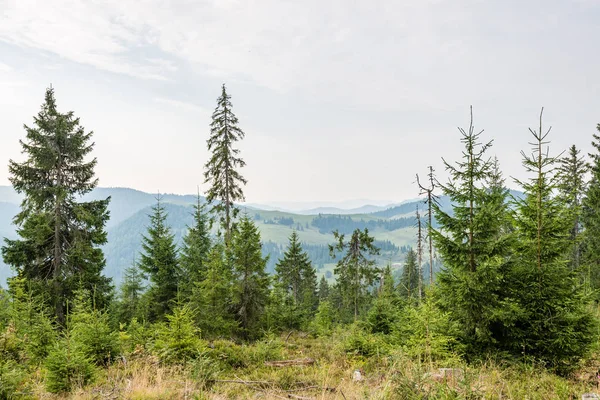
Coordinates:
<point>323,291</point>
<point>472,245</point>
<point>212,297</point>
<point>159,263</point>
<point>591,218</point>
<point>550,319</point>
<point>383,314</point>
<point>130,294</point>
<point>355,271</point>
<point>571,187</point>
<point>408,287</point>
<point>297,277</point>
<point>196,246</point>
<point>221,171</point>
<point>59,236</point>
<point>251,282</point>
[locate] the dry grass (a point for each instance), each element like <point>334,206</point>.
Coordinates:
<point>389,376</point>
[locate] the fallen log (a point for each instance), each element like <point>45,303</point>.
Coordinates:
<point>289,363</point>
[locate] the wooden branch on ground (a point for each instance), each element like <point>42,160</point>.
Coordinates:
<point>288,363</point>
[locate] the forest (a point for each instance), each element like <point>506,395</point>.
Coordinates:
<point>512,312</point>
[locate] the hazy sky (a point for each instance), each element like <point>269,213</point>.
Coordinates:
<point>338,99</point>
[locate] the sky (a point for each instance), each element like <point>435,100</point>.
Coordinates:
<point>339,100</point>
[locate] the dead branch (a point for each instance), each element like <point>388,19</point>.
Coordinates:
<point>288,363</point>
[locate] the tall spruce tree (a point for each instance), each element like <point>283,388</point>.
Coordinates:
<point>550,319</point>
<point>472,245</point>
<point>250,280</point>
<point>59,237</point>
<point>194,252</point>
<point>298,277</point>
<point>571,186</point>
<point>221,170</point>
<point>355,271</point>
<point>159,262</point>
<point>408,287</point>
<point>591,218</point>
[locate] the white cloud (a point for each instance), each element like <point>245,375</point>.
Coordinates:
<point>345,81</point>
<point>370,52</point>
<point>5,67</point>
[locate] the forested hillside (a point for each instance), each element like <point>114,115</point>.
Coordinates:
<point>129,218</point>
<point>473,292</point>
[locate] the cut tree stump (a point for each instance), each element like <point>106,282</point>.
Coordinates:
<point>290,363</point>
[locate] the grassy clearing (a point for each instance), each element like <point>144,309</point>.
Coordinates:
<point>232,371</point>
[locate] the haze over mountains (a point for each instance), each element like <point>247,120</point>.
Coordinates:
<point>392,225</point>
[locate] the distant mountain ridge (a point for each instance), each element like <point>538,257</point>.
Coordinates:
<point>392,225</point>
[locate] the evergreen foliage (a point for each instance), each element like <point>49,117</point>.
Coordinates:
<point>159,261</point>
<point>68,367</point>
<point>193,255</point>
<point>426,332</point>
<point>178,340</point>
<point>591,219</point>
<point>32,324</point>
<point>542,284</point>
<point>408,287</point>
<point>221,170</point>
<point>91,332</point>
<point>324,319</point>
<point>130,295</point>
<point>250,281</point>
<point>297,277</point>
<point>384,312</point>
<point>355,272</point>
<point>59,237</point>
<point>323,291</point>
<point>571,187</point>
<point>473,245</point>
<point>212,297</point>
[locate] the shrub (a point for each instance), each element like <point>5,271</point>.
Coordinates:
<point>178,340</point>
<point>12,380</point>
<point>324,319</point>
<point>67,367</point>
<point>361,343</point>
<point>425,332</point>
<point>135,337</point>
<point>204,370</point>
<point>92,334</point>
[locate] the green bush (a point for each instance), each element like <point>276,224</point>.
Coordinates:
<point>382,316</point>
<point>425,332</point>
<point>361,343</point>
<point>178,340</point>
<point>204,370</point>
<point>228,354</point>
<point>32,324</point>
<point>12,380</point>
<point>67,367</point>
<point>135,337</point>
<point>324,319</point>
<point>92,334</point>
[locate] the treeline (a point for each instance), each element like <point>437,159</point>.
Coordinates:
<point>518,279</point>
<point>345,224</point>
<point>319,254</point>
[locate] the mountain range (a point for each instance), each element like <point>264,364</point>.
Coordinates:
<point>392,225</point>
